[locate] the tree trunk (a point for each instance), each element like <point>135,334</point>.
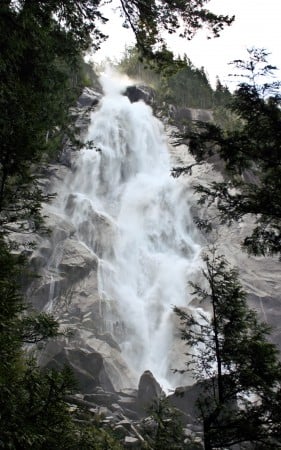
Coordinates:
<point>207,442</point>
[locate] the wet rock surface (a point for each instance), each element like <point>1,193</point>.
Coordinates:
<point>68,286</point>
<point>132,426</point>
<point>89,98</point>
<point>183,115</point>
<point>260,276</point>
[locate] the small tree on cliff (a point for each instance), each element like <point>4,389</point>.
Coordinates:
<point>167,431</point>
<point>237,367</point>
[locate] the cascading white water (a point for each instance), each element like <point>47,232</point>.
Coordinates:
<point>129,210</point>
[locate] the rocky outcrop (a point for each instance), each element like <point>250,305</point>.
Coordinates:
<point>136,93</point>
<point>149,390</point>
<point>68,286</point>
<point>184,115</point>
<point>122,413</point>
<point>89,98</point>
<point>260,276</point>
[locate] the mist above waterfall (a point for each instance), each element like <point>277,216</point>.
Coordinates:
<point>113,82</point>
<point>129,211</point>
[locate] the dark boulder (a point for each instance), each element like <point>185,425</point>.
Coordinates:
<point>183,115</point>
<point>148,390</point>
<point>137,93</point>
<point>88,368</point>
<point>88,98</point>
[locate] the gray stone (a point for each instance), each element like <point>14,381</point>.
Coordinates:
<point>185,115</point>
<point>148,390</point>
<point>137,93</point>
<point>98,229</point>
<point>128,392</point>
<point>125,423</point>
<point>131,442</point>
<point>77,260</point>
<point>88,368</point>
<point>260,276</point>
<point>184,399</point>
<point>81,403</point>
<point>103,399</point>
<point>115,407</point>
<point>131,414</point>
<point>102,410</point>
<point>88,98</point>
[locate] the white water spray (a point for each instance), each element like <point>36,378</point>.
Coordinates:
<point>129,210</point>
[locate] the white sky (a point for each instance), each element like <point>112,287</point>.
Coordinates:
<point>257,24</point>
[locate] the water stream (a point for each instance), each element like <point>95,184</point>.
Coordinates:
<point>129,210</point>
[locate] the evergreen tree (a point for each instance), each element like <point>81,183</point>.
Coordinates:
<point>179,82</point>
<point>222,95</point>
<point>148,19</point>
<point>167,430</point>
<point>39,62</point>
<point>252,144</point>
<point>34,412</point>
<point>237,367</point>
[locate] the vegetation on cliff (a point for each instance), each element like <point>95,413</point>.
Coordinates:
<point>236,365</point>
<point>179,83</point>
<point>251,151</point>
<point>241,397</point>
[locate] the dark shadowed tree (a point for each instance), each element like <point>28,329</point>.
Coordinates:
<point>235,364</point>
<point>34,412</point>
<point>40,58</point>
<point>148,20</point>
<point>163,429</point>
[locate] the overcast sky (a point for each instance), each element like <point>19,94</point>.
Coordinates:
<point>257,24</point>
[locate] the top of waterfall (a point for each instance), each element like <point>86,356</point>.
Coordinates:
<point>114,83</point>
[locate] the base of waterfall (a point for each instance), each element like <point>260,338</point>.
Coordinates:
<point>128,412</point>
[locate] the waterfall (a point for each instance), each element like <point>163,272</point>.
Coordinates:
<point>127,209</point>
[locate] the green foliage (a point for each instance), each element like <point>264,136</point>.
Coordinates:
<point>178,83</point>
<point>38,327</point>
<point>132,65</point>
<point>167,431</point>
<point>41,75</point>
<point>232,358</point>
<point>222,96</point>
<point>10,309</point>
<point>189,87</point>
<point>34,412</point>
<point>148,19</point>
<point>251,150</point>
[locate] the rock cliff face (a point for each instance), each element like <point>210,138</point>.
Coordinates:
<point>69,285</point>
<point>260,276</point>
